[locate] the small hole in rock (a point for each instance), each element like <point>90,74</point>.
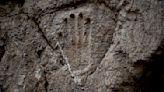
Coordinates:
<point>80,15</point>
<point>57,47</point>
<point>85,33</point>
<point>65,19</point>
<point>40,52</point>
<point>72,16</point>
<point>60,34</point>
<point>88,20</point>
<point>61,62</point>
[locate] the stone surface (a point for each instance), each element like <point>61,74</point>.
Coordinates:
<point>81,45</point>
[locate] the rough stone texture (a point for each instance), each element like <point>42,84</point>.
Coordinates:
<point>81,45</point>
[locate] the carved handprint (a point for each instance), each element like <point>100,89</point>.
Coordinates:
<point>83,36</point>
<point>77,40</point>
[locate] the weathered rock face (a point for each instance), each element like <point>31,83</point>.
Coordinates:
<point>81,45</point>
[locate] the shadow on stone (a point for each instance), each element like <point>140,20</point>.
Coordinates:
<point>19,2</point>
<point>152,79</point>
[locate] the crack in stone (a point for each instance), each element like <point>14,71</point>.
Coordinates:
<point>46,82</point>
<point>42,33</point>
<point>2,47</point>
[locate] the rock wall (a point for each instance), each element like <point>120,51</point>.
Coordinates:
<point>81,45</point>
